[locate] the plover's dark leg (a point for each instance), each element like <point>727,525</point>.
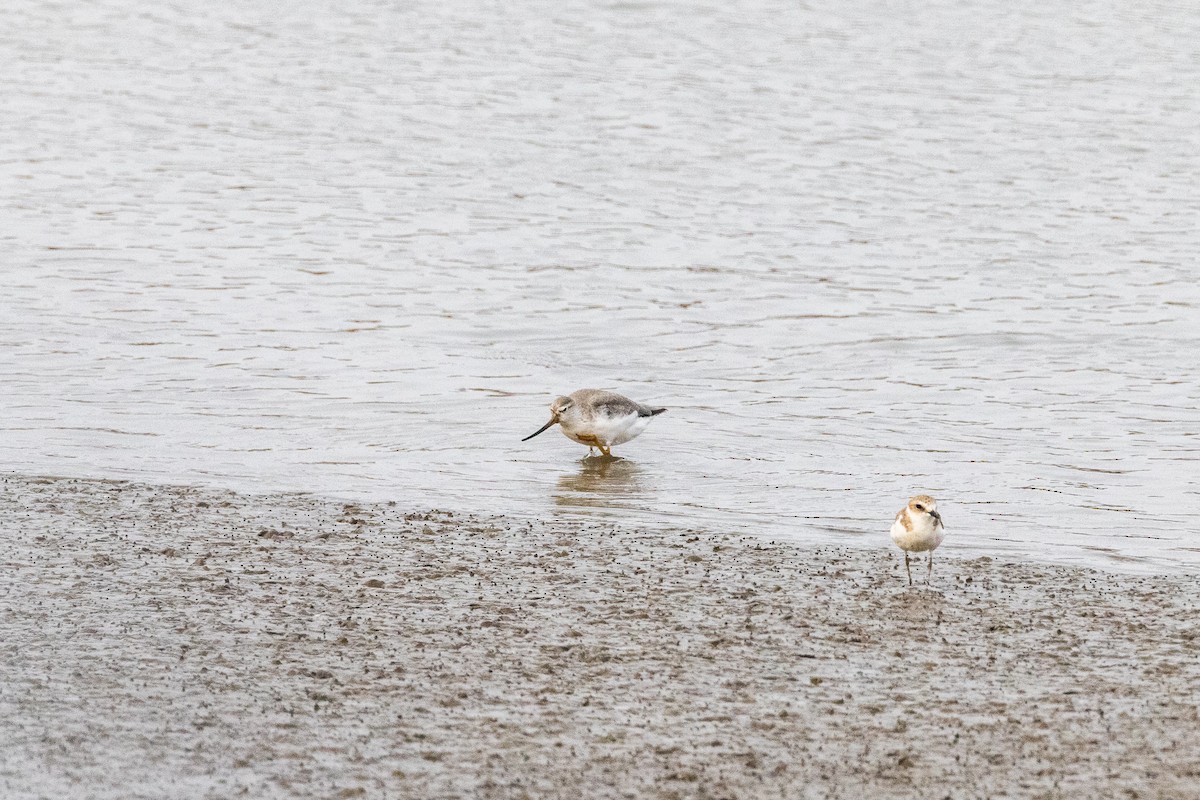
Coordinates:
<point>929,574</point>
<point>907,568</point>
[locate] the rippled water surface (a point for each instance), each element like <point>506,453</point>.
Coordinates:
<point>859,250</point>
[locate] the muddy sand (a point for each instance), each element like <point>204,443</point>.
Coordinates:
<point>166,642</point>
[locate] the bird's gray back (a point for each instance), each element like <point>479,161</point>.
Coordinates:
<point>609,404</point>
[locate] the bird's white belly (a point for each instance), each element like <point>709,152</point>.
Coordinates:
<point>918,539</point>
<point>632,428</point>
<point>608,431</point>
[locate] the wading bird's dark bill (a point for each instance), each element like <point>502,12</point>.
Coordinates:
<point>539,430</point>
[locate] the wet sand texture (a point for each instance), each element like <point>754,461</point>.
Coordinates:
<point>175,642</point>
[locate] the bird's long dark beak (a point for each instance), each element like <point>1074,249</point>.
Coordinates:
<point>539,430</point>
<point>933,514</point>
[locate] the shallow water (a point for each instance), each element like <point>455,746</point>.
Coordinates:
<point>356,249</point>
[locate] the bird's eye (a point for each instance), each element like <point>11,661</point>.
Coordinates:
<point>919,507</point>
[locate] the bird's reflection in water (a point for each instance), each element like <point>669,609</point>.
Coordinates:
<point>600,481</point>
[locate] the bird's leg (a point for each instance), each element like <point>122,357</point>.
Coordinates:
<point>591,451</point>
<point>907,568</point>
<point>929,574</point>
<point>607,452</point>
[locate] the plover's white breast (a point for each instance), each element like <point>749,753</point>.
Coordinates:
<point>919,536</point>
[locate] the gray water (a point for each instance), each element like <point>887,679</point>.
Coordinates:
<point>860,250</point>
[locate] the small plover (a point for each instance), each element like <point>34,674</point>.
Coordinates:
<point>918,527</point>
<point>598,418</point>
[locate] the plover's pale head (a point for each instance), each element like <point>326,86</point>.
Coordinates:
<point>923,505</point>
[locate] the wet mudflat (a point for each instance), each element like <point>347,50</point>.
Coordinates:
<point>172,641</point>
